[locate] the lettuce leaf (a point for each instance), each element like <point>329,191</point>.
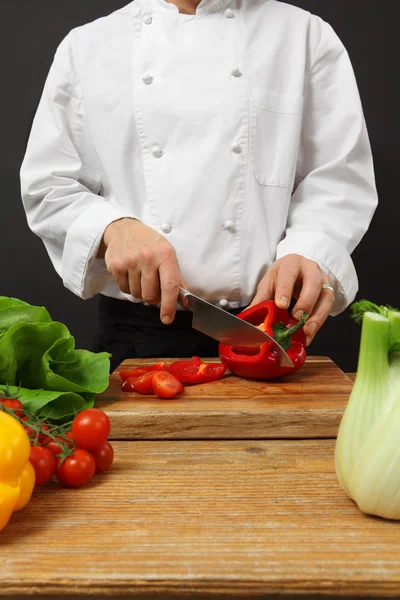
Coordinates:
<point>52,405</point>
<point>39,355</point>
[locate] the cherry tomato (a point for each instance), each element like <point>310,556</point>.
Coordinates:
<point>14,404</point>
<point>76,469</point>
<point>54,447</point>
<point>28,429</point>
<point>166,385</point>
<point>129,384</point>
<point>143,384</point>
<point>90,428</point>
<point>43,463</point>
<point>103,456</point>
<point>43,437</point>
<point>139,371</point>
<point>69,435</point>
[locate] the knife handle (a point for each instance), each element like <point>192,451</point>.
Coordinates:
<point>183,296</point>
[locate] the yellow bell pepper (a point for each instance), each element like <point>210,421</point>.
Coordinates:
<point>17,476</point>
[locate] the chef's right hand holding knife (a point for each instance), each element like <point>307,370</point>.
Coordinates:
<point>143,263</point>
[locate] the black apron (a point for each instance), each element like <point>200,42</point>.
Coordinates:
<point>130,330</point>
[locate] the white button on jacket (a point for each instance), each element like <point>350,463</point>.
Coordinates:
<point>147,79</point>
<point>156,150</point>
<point>236,72</point>
<point>166,228</point>
<point>229,225</point>
<point>303,182</point>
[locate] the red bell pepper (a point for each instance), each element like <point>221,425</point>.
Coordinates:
<point>263,362</point>
<point>139,371</point>
<point>196,371</point>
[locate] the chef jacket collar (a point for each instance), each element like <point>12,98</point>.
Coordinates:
<point>205,6</point>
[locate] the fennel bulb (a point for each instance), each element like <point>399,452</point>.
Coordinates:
<point>367,451</point>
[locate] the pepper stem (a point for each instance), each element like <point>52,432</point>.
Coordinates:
<point>283,335</point>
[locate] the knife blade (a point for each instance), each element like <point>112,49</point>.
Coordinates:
<point>225,327</point>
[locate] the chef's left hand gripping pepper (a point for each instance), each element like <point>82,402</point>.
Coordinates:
<point>17,476</point>
<point>263,362</point>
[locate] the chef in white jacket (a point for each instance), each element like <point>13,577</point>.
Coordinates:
<point>220,145</point>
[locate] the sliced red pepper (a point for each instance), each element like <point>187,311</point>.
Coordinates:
<point>263,363</point>
<point>196,371</point>
<point>138,371</point>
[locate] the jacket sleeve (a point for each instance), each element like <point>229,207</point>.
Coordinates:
<point>60,184</point>
<point>335,198</point>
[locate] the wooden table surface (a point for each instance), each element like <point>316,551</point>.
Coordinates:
<point>213,518</point>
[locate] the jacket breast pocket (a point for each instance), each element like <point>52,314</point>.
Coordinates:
<point>275,135</point>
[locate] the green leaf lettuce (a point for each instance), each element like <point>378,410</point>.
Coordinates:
<point>39,354</point>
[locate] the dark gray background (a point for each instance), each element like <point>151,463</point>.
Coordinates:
<point>30,33</point>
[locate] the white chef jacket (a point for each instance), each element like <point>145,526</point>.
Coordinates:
<point>238,133</point>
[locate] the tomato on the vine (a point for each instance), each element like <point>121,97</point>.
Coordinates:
<point>28,429</point>
<point>56,448</point>
<point>76,469</point>
<point>42,436</point>
<point>43,463</point>
<point>90,428</point>
<point>103,456</point>
<point>14,404</point>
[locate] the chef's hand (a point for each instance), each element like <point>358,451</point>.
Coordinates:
<point>143,263</point>
<point>296,276</point>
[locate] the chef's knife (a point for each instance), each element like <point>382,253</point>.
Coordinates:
<point>225,327</point>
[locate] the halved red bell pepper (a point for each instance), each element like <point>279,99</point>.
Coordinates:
<point>263,362</point>
<point>196,371</point>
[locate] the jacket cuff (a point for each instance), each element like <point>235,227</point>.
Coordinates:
<point>83,273</point>
<point>333,259</point>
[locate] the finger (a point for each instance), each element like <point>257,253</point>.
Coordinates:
<point>149,279</point>
<point>150,285</point>
<point>135,288</point>
<point>169,283</point>
<point>285,283</point>
<point>122,281</point>
<point>119,274</point>
<point>265,289</point>
<point>319,315</point>
<point>310,291</point>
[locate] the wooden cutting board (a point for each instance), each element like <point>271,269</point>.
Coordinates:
<point>308,404</point>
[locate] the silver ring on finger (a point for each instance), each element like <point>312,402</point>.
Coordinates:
<point>326,286</point>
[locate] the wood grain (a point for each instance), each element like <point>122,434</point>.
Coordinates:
<point>237,518</point>
<point>308,404</point>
